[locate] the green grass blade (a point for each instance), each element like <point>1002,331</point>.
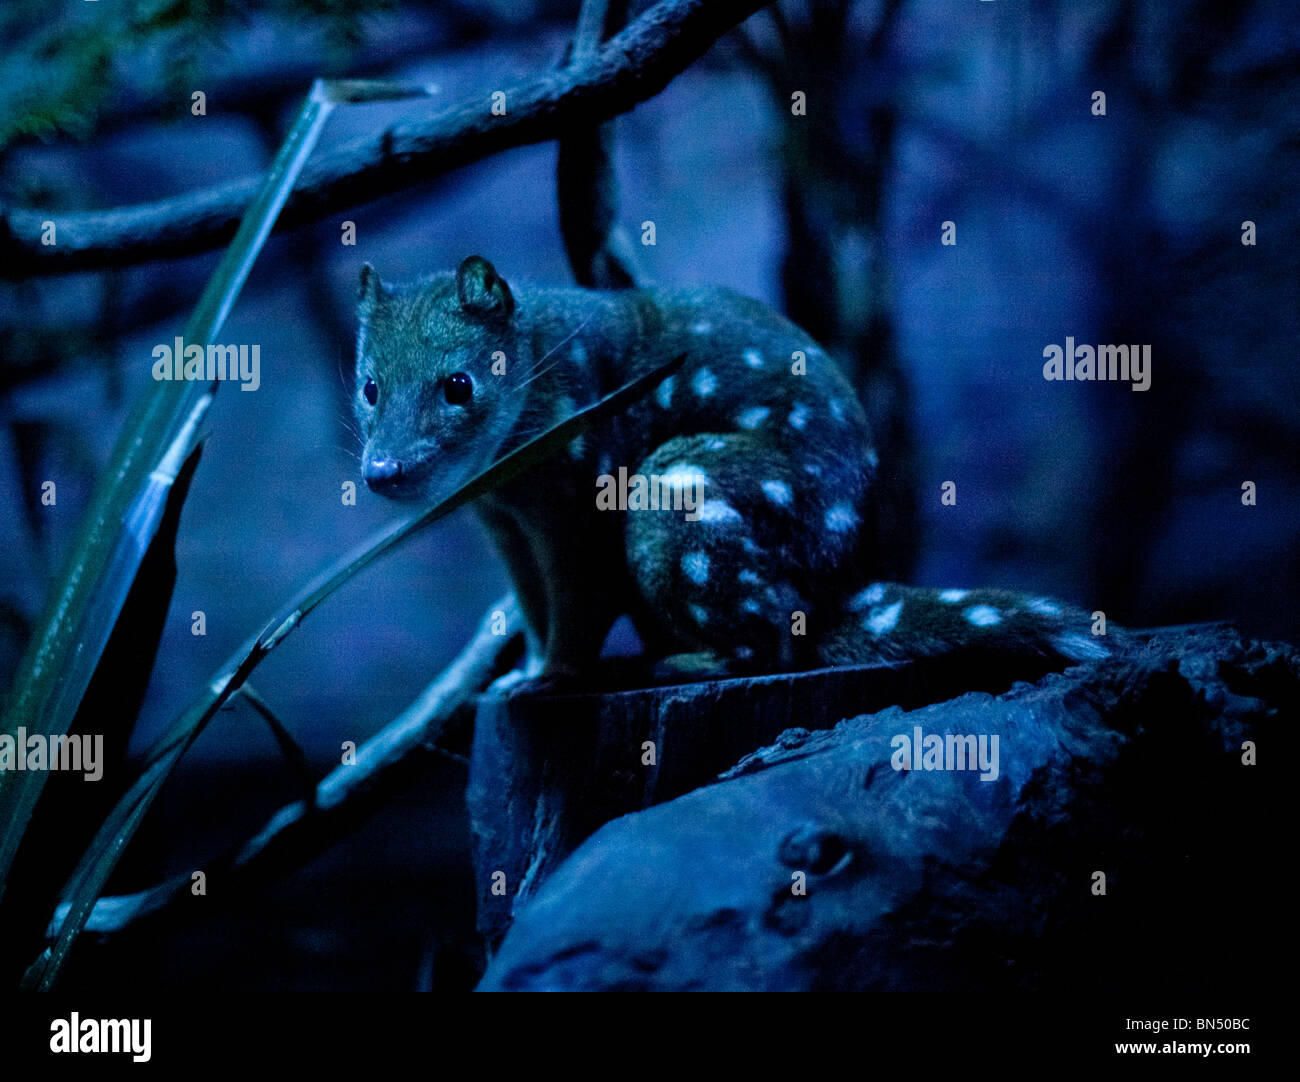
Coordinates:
<point>128,505</point>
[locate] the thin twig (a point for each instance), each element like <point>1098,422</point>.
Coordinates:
<point>592,21</point>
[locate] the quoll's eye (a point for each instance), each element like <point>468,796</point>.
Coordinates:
<point>371,391</point>
<point>458,389</point>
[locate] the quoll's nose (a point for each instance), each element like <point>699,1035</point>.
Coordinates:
<point>381,472</point>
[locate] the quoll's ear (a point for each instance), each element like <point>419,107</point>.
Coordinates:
<point>371,288</point>
<point>481,290</point>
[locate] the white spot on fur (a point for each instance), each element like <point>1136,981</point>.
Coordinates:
<point>753,358</point>
<point>715,444</point>
<point>576,447</point>
<point>798,416</point>
<point>837,409</point>
<point>778,492</point>
<point>1079,647</point>
<point>752,417</point>
<point>883,621</point>
<point>718,512</point>
<point>750,605</point>
<point>872,595</point>
<point>982,616</point>
<point>578,352</point>
<point>873,459</point>
<point>664,394</point>
<point>813,470</point>
<point>1043,607</point>
<point>696,566</point>
<point>702,327</point>
<point>750,578</point>
<point>744,653</point>
<point>704,383</point>
<point>841,518</point>
<point>682,475</point>
<point>953,597</point>
<point>698,614</point>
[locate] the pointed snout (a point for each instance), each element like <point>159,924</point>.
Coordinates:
<point>381,472</point>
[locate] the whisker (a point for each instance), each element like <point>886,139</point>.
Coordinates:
<point>351,429</point>
<point>537,370</point>
<point>343,374</point>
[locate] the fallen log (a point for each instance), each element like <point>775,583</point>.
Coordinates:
<point>1125,840</point>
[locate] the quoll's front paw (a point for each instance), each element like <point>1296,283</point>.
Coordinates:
<point>702,665</point>
<point>549,681</point>
<point>507,685</point>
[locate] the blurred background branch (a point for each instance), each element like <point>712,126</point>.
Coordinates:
<point>632,67</point>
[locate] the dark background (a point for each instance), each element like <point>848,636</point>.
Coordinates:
<point>1122,228</point>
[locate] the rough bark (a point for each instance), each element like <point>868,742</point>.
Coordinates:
<point>932,880</point>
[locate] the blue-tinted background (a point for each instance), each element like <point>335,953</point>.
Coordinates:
<point>1117,228</point>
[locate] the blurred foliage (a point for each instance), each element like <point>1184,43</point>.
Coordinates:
<point>61,68</point>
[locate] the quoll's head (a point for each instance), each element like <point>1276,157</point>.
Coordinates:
<point>428,403</point>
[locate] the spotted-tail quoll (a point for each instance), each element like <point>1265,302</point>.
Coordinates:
<point>762,562</point>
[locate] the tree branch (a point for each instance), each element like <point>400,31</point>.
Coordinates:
<point>386,764</point>
<point>599,249</point>
<point>630,68</point>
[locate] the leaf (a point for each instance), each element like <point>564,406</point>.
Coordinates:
<point>87,881</point>
<point>289,748</point>
<point>128,504</point>
<point>70,811</point>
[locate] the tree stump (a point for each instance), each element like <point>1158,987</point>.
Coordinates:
<point>1123,843</point>
<point>548,770</point>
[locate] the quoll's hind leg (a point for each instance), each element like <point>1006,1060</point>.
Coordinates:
<point>725,583</point>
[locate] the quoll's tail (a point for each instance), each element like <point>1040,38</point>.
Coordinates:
<point>889,622</point>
